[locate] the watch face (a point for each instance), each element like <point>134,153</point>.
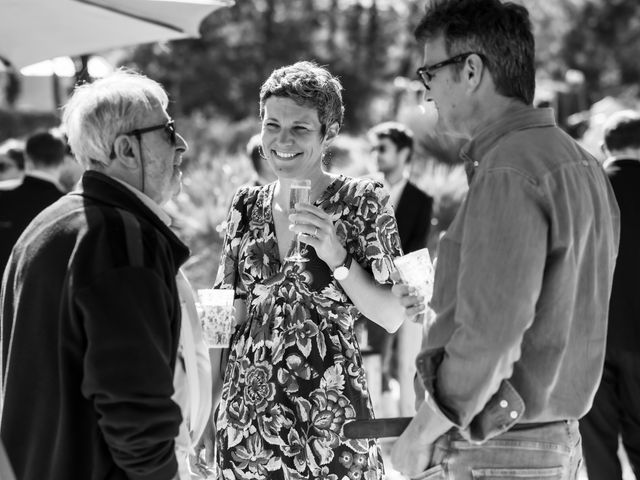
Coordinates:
<point>340,273</point>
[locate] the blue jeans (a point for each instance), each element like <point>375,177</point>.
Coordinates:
<point>550,451</point>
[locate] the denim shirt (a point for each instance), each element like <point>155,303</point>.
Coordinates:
<point>522,281</point>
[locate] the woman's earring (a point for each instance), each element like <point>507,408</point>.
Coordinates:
<point>326,158</point>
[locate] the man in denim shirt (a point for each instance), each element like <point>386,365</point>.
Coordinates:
<point>524,272</point>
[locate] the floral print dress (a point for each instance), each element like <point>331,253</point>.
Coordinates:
<point>294,374</point>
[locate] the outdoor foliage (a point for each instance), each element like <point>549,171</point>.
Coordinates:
<point>220,74</point>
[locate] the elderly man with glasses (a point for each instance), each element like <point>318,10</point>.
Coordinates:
<point>524,272</point>
<point>90,306</point>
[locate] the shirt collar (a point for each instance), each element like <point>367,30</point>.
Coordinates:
<point>149,203</point>
<point>520,118</point>
<point>611,160</point>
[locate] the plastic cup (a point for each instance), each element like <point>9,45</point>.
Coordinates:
<point>416,270</point>
<point>216,316</point>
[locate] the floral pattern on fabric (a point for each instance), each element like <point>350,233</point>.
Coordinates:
<point>294,374</point>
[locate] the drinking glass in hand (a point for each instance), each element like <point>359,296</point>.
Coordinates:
<point>299,193</point>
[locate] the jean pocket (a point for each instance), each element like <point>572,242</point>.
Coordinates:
<point>552,473</point>
<point>433,473</point>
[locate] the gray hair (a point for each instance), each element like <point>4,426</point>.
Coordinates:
<point>98,112</point>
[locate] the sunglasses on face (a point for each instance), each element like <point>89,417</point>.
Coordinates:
<point>379,148</point>
<point>426,73</point>
<point>169,129</point>
<point>6,166</point>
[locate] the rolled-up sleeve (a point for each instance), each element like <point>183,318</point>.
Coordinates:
<point>502,257</point>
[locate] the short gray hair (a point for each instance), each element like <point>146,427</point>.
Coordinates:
<point>98,112</point>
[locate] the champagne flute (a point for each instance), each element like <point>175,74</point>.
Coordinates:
<point>299,193</point>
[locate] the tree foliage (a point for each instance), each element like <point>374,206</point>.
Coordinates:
<point>221,73</point>
<point>603,42</point>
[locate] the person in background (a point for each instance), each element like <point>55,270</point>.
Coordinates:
<point>294,373</point>
<point>262,168</point>
<point>11,164</point>
<point>392,149</point>
<point>616,409</point>
<point>90,308</point>
<point>524,271</point>
<point>44,154</point>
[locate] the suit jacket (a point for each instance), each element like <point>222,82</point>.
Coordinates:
<point>624,305</point>
<point>18,207</point>
<point>413,214</point>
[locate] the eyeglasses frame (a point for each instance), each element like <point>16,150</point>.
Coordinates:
<point>429,70</point>
<point>168,127</point>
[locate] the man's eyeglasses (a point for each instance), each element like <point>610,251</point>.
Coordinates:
<point>169,128</point>
<point>426,73</point>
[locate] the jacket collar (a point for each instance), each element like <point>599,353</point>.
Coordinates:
<point>106,190</point>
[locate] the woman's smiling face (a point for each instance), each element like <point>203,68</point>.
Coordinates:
<point>292,138</point>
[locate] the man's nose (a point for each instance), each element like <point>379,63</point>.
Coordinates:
<point>181,143</point>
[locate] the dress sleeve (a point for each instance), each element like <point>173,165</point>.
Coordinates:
<point>236,227</point>
<point>378,236</point>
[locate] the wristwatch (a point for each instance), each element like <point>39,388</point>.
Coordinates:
<point>342,271</point>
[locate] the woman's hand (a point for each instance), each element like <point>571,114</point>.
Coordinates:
<point>414,306</point>
<point>317,230</point>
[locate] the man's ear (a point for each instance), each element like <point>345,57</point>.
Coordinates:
<point>125,151</point>
<point>405,154</point>
<point>332,132</point>
<point>473,71</point>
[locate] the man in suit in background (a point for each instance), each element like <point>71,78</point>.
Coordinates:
<point>392,148</point>
<point>616,409</point>
<point>44,156</point>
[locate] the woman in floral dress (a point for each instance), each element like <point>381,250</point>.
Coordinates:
<point>294,373</point>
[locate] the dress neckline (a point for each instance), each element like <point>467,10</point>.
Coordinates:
<point>267,209</point>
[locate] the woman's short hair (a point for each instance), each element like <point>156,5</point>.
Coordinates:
<point>98,112</point>
<point>309,85</point>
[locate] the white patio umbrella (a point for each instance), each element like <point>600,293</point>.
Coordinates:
<point>35,30</point>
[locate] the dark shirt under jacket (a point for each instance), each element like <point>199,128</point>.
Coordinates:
<point>624,306</point>
<point>413,215</point>
<point>18,207</point>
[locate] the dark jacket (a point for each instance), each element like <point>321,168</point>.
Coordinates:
<point>18,207</point>
<point>90,326</point>
<point>624,306</point>
<point>413,215</point>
